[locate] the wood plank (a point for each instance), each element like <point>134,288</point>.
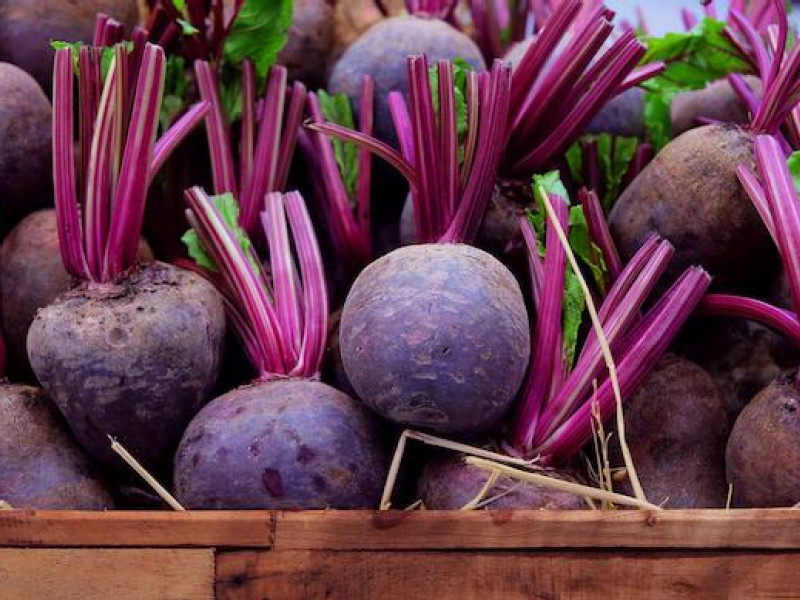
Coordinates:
<point>34,574</point>
<point>57,529</point>
<point>691,575</point>
<point>772,529</point>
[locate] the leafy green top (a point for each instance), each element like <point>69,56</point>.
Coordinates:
<point>229,209</point>
<point>615,155</point>
<point>259,32</point>
<point>693,59</point>
<point>336,109</point>
<point>574,304</point>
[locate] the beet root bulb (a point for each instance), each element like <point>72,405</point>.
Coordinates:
<point>41,466</point>
<point>763,453</point>
<point>449,483</point>
<point>436,337</point>
<point>134,360</point>
<point>284,444</point>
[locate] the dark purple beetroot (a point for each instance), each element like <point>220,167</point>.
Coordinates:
<point>284,444</point>
<point>26,29</point>
<point>742,356</point>
<point>41,466</point>
<point>31,277</point>
<point>134,360</point>
<point>351,20</point>
<point>436,336</point>
<point>691,196</point>
<point>623,115</point>
<point>449,483</point>
<point>676,427</point>
<point>310,43</point>
<point>381,52</point>
<point>26,157</point>
<point>763,453</point>
<point>718,101</point>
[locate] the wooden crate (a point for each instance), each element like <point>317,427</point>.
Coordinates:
<point>669,555</point>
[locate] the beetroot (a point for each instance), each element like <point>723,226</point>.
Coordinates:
<point>284,441</point>
<point>426,329</point>
<point>130,352</point>
<point>449,483</point>
<point>41,467</point>
<point>26,159</point>
<point>134,360</point>
<point>691,193</point>
<point>310,42</point>
<point>763,452</point>
<point>32,276</point>
<point>27,28</point>
<point>295,444</point>
<point>381,53</point>
<point>719,102</point>
<point>676,427</point>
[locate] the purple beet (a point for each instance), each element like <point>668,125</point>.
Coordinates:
<point>286,441</point>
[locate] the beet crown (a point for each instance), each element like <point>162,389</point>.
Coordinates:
<point>281,318</point>
<point>100,198</point>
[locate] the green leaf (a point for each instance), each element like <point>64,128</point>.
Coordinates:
<point>693,60</point>
<point>460,69</point>
<point>259,32</point>
<point>616,154</point>
<point>105,58</point>
<point>229,209</point>
<point>336,109</point>
<point>794,168</point>
<point>187,28</point>
<point>179,4</point>
<point>572,316</point>
<point>176,85</point>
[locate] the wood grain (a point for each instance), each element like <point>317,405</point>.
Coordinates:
<point>304,575</point>
<point>39,574</point>
<point>772,529</point>
<point>776,529</point>
<point>56,529</point>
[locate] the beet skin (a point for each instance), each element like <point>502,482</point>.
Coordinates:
<point>310,43</point>
<point>31,277</point>
<point>436,336</point>
<point>26,29</point>
<point>676,427</point>
<point>41,466</point>
<point>381,52</point>
<point>763,454</point>
<point>26,156</point>
<point>134,360</point>
<point>691,196</point>
<point>283,444</point>
<point>449,483</point>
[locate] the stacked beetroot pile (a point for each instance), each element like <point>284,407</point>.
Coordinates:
<point>254,242</point>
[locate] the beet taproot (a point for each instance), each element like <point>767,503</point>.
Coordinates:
<point>436,337</point>
<point>676,427</point>
<point>763,452</point>
<point>26,159</point>
<point>449,483</point>
<point>27,28</point>
<point>294,444</point>
<point>381,53</point>
<point>690,195</point>
<point>41,466</point>
<point>134,360</point>
<point>32,275</point>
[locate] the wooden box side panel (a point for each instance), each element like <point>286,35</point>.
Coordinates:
<point>106,574</point>
<point>558,575</point>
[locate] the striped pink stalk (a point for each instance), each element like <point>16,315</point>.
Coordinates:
<point>282,319</point>
<point>600,233</point>
<point>778,319</point>
<point>100,199</point>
